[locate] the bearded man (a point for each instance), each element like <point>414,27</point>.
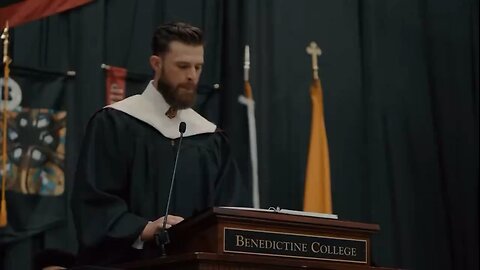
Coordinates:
<point>125,166</point>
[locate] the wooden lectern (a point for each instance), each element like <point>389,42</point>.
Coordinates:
<point>229,238</point>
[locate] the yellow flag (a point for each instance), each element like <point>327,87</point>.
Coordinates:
<point>317,197</point>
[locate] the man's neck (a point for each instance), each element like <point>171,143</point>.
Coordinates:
<point>172,111</point>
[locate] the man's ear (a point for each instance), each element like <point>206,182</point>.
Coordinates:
<point>156,63</point>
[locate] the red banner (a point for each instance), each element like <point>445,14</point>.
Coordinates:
<point>115,83</point>
<point>25,11</point>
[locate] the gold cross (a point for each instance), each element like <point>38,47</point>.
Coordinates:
<point>314,51</point>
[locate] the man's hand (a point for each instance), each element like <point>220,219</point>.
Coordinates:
<point>155,226</point>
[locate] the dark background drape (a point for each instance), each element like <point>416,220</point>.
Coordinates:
<point>400,82</point>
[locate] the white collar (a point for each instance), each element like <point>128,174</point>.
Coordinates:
<point>150,107</point>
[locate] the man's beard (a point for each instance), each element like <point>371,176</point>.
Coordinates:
<point>178,97</point>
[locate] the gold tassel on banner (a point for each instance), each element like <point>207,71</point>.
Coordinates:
<point>6,62</point>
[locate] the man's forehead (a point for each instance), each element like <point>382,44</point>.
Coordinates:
<point>181,52</point>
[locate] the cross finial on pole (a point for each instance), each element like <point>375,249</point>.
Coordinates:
<point>314,51</point>
<point>5,36</point>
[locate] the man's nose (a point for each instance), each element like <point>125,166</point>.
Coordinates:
<point>192,74</point>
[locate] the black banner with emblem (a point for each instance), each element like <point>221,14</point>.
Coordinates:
<point>36,142</point>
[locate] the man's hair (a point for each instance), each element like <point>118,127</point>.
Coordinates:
<point>176,31</point>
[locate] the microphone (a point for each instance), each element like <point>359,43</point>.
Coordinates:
<point>162,238</point>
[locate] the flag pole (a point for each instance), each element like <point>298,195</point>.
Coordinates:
<point>317,193</point>
<point>248,101</point>
<point>6,62</point>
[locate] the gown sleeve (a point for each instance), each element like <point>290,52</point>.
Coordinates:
<point>101,189</point>
<point>231,188</point>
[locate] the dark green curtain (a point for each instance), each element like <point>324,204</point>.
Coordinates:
<point>420,91</point>
<point>400,82</point>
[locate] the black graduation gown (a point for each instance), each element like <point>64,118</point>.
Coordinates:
<point>123,178</point>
